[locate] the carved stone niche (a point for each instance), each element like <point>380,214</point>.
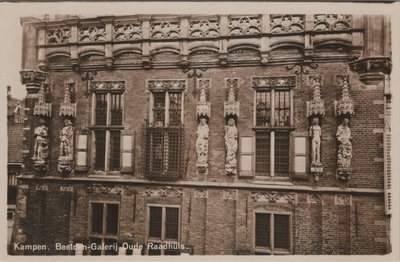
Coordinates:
<point>42,111</point>
<point>344,110</point>
<point>203,116</point>
<point>231,112</point>
<point>67,113</point>
<point>315,113</point>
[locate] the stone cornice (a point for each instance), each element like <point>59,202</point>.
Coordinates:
<point>371,70</point>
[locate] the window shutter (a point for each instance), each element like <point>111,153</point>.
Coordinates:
<point>387,173</point>
<point>246,156</point>
<point>127,152</point>
<point>300,152</point>
<point>81,152</point>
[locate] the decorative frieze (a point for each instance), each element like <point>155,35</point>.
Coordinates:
<point>345,105</point>
<point>163,192</point>
<point>230,194</point>
<point>107,85</point>
<point>92,34</point>
<point>274,81</point>
<point>203,28</point>
<point>67,188</point>
<point>274,197</point>
<point>245,25</point>
<point>131,31</point>
<point>201,193</point>
<point>42,187</point>
<point>166,84</point>
<point>165,30</point>
<point>324,22</point>
<point>314,199</point>
<point>286,23</point>
<point>58,36</point>
<point>105,189</point>
<point>42,109</point>
<point>343,200</point>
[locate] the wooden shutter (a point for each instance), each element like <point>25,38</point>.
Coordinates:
<point>82,141</point>
<point>387,173</point>
<point>299,152</point>
<point>246,156</point>
<point>127,152</point>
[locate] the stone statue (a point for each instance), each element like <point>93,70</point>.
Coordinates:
<point>202,143</point>
<point>315,134</point>
<point>231,145</point>
<point>41,146</point>
<point>343,135</point>
<point>65,160</point>
<point>66,138</point>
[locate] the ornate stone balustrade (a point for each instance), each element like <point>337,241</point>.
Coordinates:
<point>145,41</point>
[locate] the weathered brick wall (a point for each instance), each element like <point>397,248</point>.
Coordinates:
<point>212,225</point>
<point>366,125</point>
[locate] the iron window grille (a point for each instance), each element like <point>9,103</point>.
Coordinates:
<point>104,226</point>
<point>272,233</point>
<point>273,123</point>
<point>163,228</point>
<point>164,148</point>
<point>164,135</point>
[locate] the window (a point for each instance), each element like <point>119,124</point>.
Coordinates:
<point>165,132</point>
<point>107,123</point>
<point>272,233</point>
<point>12,188</point>
<point>166,108</point>
<point>272,121</point>
<point>104,228</point>
<point>163,230</point>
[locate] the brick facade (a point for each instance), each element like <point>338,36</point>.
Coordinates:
<point>216,211</point>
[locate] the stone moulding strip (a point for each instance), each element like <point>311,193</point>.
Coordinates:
<point>107,189</point>
<point>230,194</point>
<point>343,200</point>
<point>314,199</point>
<point>163,192</point>
<point>273,81</point>
<point>42,187</point>
<point>240,186</point>
<point>200,193</point>
<point>66,188</point>
<point>274,197</point>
